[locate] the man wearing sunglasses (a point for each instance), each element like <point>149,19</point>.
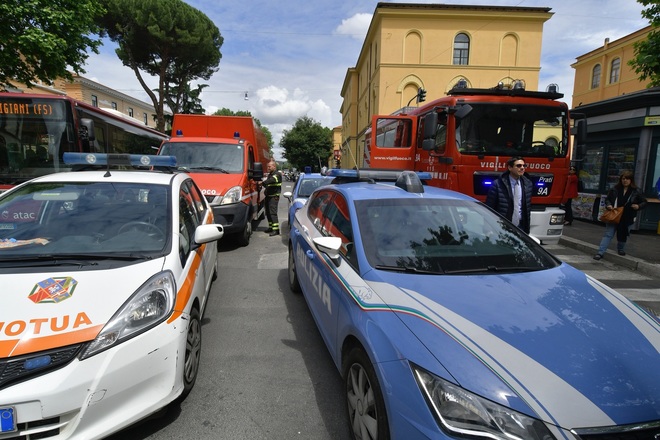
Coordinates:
<point>511,194</point>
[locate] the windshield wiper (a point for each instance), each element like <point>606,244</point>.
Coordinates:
<point>71,259</point>
<point>497,269</point>
<point>408,269</point>
<point>207,168</point>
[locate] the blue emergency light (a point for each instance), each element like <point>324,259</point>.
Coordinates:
<point>135,160</point>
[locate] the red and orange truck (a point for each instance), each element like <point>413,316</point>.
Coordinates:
<point>226,156</point>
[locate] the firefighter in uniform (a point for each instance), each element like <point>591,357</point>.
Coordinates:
<point>273,185</point>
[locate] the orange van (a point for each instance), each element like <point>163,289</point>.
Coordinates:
<point>226,157</point>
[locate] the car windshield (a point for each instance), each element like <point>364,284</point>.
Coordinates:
<point>206,156</point>
<point>85,220</point>
<point>444,236</point>
<point>309,184</point>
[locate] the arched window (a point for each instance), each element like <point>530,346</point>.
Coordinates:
<point>461,49</point>
<point>595,77</point>
<point>615,70</point>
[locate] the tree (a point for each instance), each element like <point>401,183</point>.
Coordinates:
<point>189,103</point>
<point>307,144</point>
<point>269,136</point>
<point>167,39</point>
<point>646,62</point>
<point>41,39</point>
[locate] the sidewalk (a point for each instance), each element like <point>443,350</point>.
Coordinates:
<point>642,249</point>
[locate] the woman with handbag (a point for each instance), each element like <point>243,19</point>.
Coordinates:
<point>627,195</point>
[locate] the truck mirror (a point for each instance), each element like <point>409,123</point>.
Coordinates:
<point>463,111</point>
<point>256,173</point>
<point>430,123</point>
<point>428,144</point>
<point>580,132</point>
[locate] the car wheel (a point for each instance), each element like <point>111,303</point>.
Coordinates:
<point>193,353</point>
<point>364,400</point>
<point>294,284</point>
<point>243,239</point>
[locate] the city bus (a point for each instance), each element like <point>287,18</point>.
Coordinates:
<point>465,139</point>
<point>36,130</point>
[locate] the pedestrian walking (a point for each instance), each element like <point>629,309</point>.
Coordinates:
<point>570,192</point>
<point>511,194</point>
<point>625,193</point>
<point>273,186</point>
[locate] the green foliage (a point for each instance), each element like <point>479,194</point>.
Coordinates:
<point>307,144</point>
<point>40,40</point>
<point>646,62</point>
<point>164,38</point>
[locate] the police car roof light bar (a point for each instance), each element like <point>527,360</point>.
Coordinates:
<point>134,160</point>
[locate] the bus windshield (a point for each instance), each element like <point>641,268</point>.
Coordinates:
<point>206,156</point>
<point>33,135</point>
<point>515,129</point>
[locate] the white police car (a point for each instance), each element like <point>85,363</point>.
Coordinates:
<point>446,321</point>
<point>105,276</point>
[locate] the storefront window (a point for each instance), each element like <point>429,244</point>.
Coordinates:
<point>592,166</point>
<point>620,159</point>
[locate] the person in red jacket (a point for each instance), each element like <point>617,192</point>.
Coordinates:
<point>570,193</point>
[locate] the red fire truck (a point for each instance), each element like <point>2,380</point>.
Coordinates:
<point>465,138</point>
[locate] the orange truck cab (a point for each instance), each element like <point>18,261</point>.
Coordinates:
<point>226,156</point>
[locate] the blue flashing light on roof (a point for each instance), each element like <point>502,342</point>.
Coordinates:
<point>179,132</point>
<point>136,160</point>
<point>237,135</point>
<point>308,170</point>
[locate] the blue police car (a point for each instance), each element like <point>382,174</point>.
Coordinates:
<point>446,321</point>
<point>303,188</point>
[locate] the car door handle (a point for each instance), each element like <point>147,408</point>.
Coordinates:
<point>309,254</point>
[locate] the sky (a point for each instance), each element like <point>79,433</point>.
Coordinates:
<point>290,59</point>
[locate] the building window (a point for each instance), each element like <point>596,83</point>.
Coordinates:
<point>130,112</point>
<point>615,70</point>
<point>461,49</point>
<point>144,118</point>
<point>595,77</point>
<point>95,101</point>
<point>113,105</point>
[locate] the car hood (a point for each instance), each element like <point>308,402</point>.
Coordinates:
<point>45,310</point>
<point>216,183</point>
<point>555,344</point>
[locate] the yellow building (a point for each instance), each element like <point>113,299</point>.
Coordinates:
<point>604,73</point>
<point>622,116</point>
<point>432,46</point>
<point>96,94</point>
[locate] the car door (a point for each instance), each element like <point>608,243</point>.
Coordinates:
<point>191,282</point>
<point>203,212</point>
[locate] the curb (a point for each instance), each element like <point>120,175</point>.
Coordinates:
<point>632,263</point>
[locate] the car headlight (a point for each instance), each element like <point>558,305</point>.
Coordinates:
<point>557,219</point>
<point>470,416</point>
<point>150,304</point>
<point>232,196</point>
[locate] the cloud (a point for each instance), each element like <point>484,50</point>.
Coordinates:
<point>355,26</point>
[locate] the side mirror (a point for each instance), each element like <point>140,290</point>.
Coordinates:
<point>329,246</point>
<point>257,173</point>
<point>430,123</point>
<point>463,111</point>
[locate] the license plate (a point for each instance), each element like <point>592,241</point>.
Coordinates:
<point>7,419</point>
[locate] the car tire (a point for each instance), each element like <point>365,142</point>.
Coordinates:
<point>243,238</point>
<point>294,284</point>
<point>364,399</point>
<point>193,353</point>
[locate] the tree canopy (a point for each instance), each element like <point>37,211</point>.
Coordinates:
<point>41,39</point>
<point>168,39</point>
<point>646,62</point>
<point>307,143</point>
